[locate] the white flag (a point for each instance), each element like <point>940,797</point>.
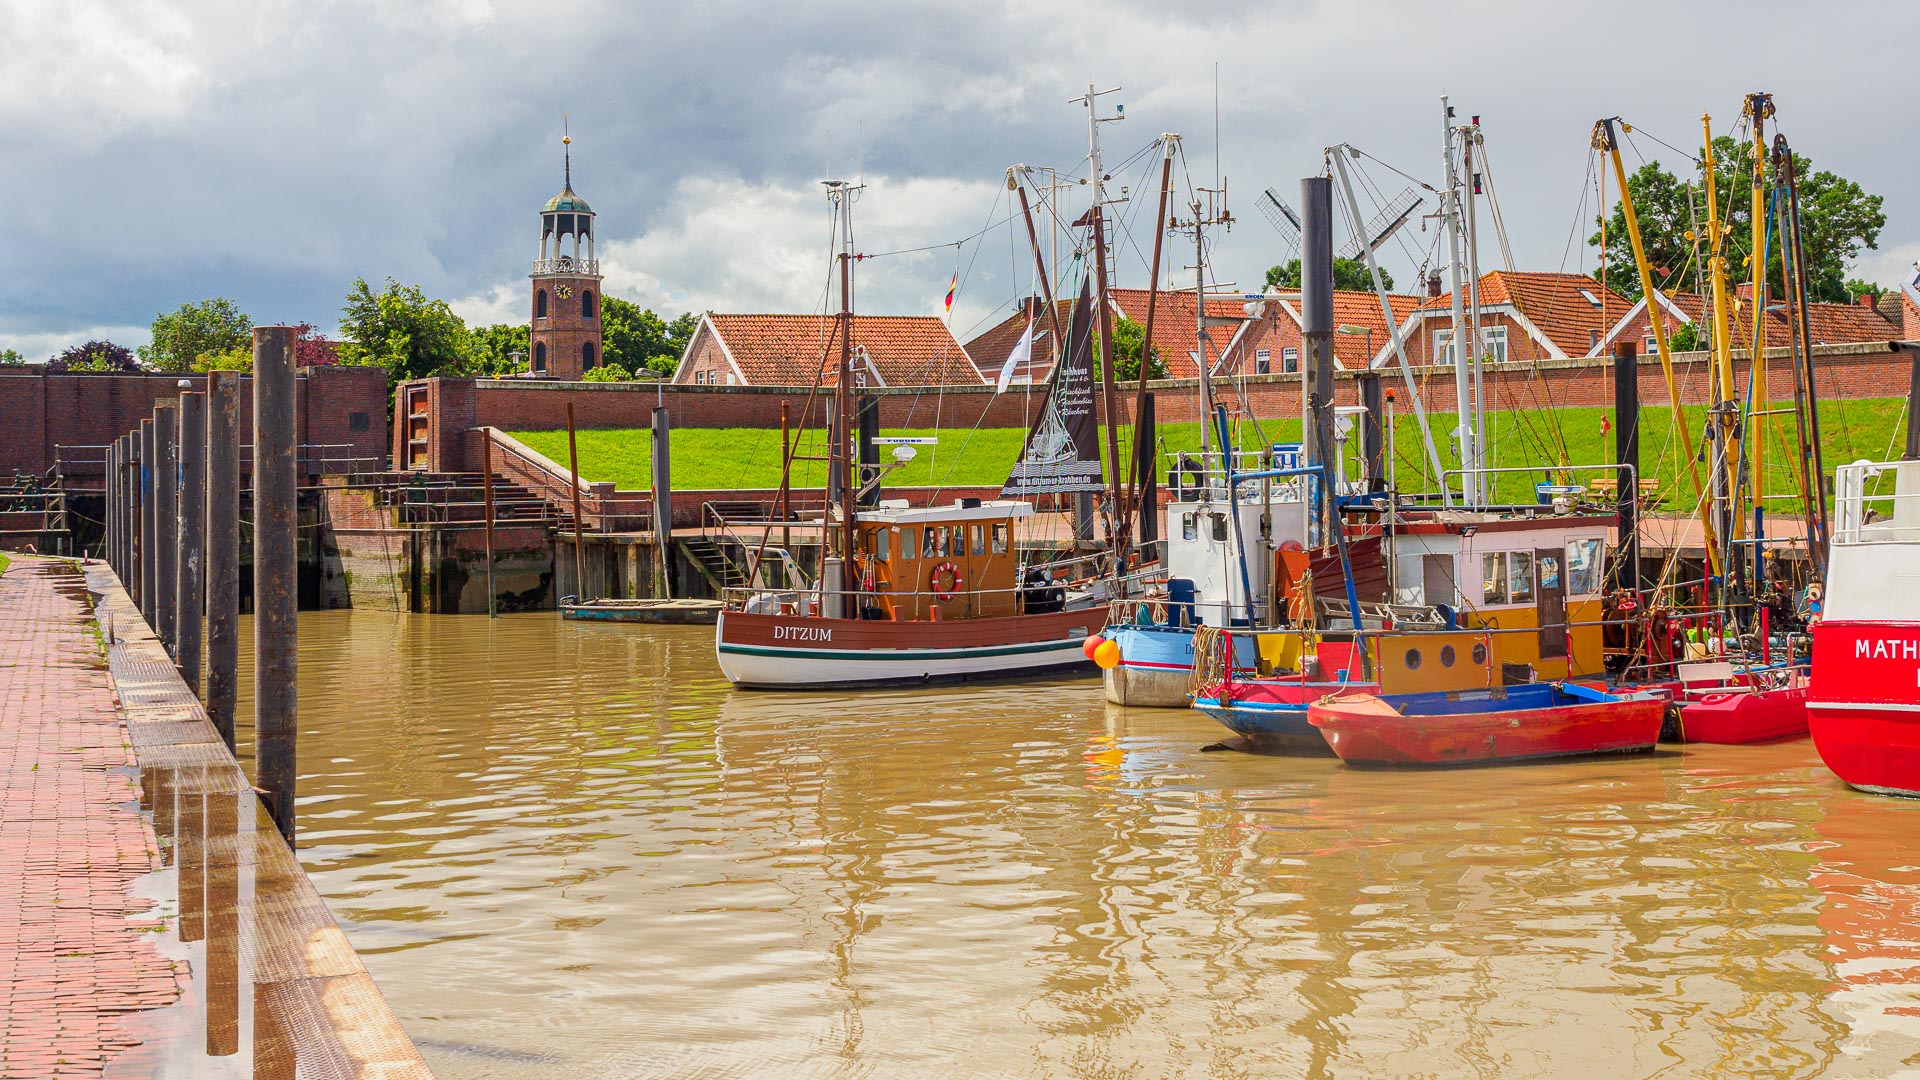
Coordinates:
<point>1022,352</point>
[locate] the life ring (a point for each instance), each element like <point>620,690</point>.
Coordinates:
<point>953,587</point>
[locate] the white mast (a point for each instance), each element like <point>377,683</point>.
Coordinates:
<point>1463,403</point>
<point>1469,138</point>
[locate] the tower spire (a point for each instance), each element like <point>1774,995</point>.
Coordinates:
<point>566,149</point>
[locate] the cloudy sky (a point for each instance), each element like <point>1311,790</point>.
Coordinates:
<point>272,150</point>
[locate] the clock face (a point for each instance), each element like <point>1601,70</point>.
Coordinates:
<point>563,291</point>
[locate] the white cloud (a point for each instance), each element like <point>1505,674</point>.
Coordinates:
<point>1892,264</point>
<point>36,346</point>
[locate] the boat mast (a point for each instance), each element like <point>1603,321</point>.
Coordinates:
<point>1168,143</point>
<point>1469,135</point>
<point>1096,216</point>
<point>839,458</point>
<point>1758,108</point>
<point>1726,423</point>
<point>1462,399</point>
<point>1040,265</point>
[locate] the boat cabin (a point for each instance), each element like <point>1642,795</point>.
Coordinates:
<point>939,562</point>
<point>1203,548</point>
<point>1534,583</point>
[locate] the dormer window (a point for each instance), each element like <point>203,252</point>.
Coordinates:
<point>1591,299</point>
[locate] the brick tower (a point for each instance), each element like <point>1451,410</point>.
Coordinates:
<point>565,337</point>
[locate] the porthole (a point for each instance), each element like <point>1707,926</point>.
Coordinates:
<point>1413,659</point>
<point>1480,652</point>
<point>1446,656</point>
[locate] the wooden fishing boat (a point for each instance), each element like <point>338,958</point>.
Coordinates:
<point>1515,723</point>
<point>1273,708</point>
<point>1756,705</point>
<point>685,612</point>
<point>1864,707</point>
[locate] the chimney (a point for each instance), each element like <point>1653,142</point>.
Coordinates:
<point>1433,285</point>
<point>1866,300</point>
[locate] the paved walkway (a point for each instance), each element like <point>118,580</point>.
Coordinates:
<point>78,953</point>
<point>152,921</point>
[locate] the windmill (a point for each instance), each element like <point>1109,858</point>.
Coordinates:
<point>1282,218</point>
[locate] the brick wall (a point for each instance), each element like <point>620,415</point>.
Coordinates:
<point>344,408</point>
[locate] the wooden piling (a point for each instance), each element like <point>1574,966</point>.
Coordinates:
<point>166,516</point>
<point>275,573</point>
<point>660,431</point>
<point>190,581</point>
<point>486,459</point>
<point>223,549</point>
<point>573,465</point>
<point>145,511</point>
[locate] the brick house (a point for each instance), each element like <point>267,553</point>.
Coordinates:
<point>1524,317</point>
<point>1236,337</point>
<point>791,350</point>
<point>1829,324</point>
<point>1360,329</point>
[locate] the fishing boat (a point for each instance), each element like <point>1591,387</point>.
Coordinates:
<point>666,612</point>
<point>912,594</point>
<point>1512,723</point>
<point>1273,709</point>
<point>1864,705</point>
<point>1717,703</point>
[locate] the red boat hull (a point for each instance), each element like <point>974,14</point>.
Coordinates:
<point>1368,730</point>
<point>1757,716</point>
<point>1862,709</point>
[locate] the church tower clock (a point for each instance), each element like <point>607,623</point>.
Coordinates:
<point>565,341</point>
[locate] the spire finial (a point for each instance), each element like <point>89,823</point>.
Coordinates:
<point>566,143</point>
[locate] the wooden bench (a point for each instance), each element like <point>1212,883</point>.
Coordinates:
<point>1607,489</point>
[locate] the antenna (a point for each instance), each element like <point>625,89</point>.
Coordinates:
<point>1282,218</point>
<point>1384,224</point>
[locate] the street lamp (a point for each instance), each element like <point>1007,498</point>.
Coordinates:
<point>1350,328</point>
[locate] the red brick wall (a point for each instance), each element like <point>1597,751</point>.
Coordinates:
<point>709,366</point>
<point>564,329</point>
<point>40,411</point>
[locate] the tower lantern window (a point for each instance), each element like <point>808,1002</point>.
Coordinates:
<point>566,223</point>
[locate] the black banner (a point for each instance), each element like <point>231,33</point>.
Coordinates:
<point>1062,453</point>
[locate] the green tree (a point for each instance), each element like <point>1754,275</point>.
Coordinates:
<point>11,356</point>
<point>1856,288</point>
<point>608,372</point>
<point>638,340</point>
<point>1350,275</point>
<point>1128,337</point>
<point>500,349</point>
<point>183,336</point>
<point>1838,221</point>
<point>402,331</point>
<point>239,358</point>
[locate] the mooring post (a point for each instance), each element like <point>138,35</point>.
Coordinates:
<point>117,477</point>
<point>1626,450</point>
<point>573,478</point>
<point>276,598</point>
<point>223,549</point>
<point>1316,354</point>
<point>661,435</point>
<point>148,525</point>
<point>166,510</point>
<point>190,582</point>
<point>109,519</point>
<point>486,496</point>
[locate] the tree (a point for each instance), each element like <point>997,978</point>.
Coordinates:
<point>236,359</point>
<point>402,331</point>
<point>500,349</point>
<point>1856,288</point>
<point>608,372</point>
<point>183,336</point>
<point>1350,275</point>
<point>1128,336</point>
<point>1838,220</point>
<point>11,356</point>
<point>94,356</point>
<point>638,340</point>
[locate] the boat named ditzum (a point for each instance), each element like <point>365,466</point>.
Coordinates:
<point>1864,705</point>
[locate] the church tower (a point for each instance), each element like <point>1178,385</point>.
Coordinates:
<point>565,340</point>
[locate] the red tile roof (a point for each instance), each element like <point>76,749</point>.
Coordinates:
<point>907,350</point>
<point>1174,333</point>
<point>1555,302</point>
<point>1362,310</point>
<point>1828,324</point>
<point>989,350</point>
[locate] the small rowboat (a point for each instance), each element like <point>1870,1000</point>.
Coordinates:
<point>671,612</point>
<point>1537,720</point>
<point>1746,716</point>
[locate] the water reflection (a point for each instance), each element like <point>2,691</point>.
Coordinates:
<point>521,817</point>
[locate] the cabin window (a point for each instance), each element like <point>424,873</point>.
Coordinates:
<point>999,539</point>
<point>1493,575</point>
<point>1583,567</point>
<point>1447,656</point>
<point>1408,585</point>
<point>1189,529</point>
<point>942,540</point>
<point>1219,528</point>
<point>1480,653</point>
<point>908,543</point>
<point>881,548</point>
<point>1547,569</point>
<point>1520,577</point>
<point>979,539</point>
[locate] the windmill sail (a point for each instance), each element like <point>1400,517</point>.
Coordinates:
<point>1062,453</point>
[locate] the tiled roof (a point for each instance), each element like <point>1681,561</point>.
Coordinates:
<point>989,350</point>
<point>1362,310</point>
<point>1828,324</point>
<point>1174,333</point>
<point>1557,303</point>
<point>907,350</point>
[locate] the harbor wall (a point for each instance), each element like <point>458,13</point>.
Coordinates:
<point>343,409</point>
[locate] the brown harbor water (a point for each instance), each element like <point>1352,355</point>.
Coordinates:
<point>572,850</point>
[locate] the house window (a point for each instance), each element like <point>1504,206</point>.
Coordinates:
<point>586,356</point>
<point>586,305</point>
<point>1289,361</point>
<point>1593,340</point>
<point>1443,348</point>
<point>1493,343</point>
<point>540,356</point>
<point>1651,346</point>
<point>1262,361</point>
<point>540,303</point>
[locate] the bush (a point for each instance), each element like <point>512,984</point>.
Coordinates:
<point>608,373</point>
<point>94,356</point>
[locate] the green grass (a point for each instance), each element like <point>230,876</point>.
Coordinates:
<point>723,458</point>
<point>3,562</point>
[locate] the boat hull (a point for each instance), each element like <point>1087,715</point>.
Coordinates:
<point>1156,665</point>
<point>657,612</point>
<point>793,652</point>
<point>1518,724</point>
<point>1750,717</point>
<point>1275,709</point>
<point>1861,708</point>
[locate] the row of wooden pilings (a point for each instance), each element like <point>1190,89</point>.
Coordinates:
<point>173,537</point>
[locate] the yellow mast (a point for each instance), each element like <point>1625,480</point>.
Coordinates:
<point>1604,139</point>
<point>1759,108</point>
<point>1724,420</point>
